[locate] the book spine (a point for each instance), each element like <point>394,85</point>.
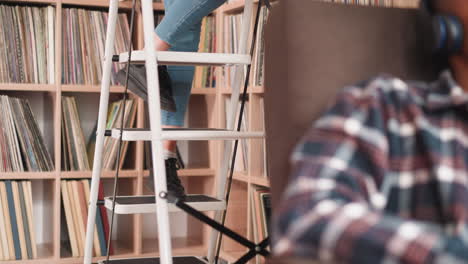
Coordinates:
<point>24,215</point>
<point>13,220</point>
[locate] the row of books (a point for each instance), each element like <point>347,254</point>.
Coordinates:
<point>27,39</point>
<point>384,3</point>
<point>17,235</point>
<point>84,33</point>
<point>204,76</point>
<point>111,145</point>
<point>387,3</point>
<point>260,202</point>
<point>231,33</point>
<point>75,197</point>
<point>76,154</point>
<point>258,59</point>
<point>21,143</point>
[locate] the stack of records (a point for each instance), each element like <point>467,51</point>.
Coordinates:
<point>84,33</point>
<point>75,197</point>
<point>204,76</point>
<point>27,38</point>
<point>74,154</point>
<point>21,142</point>
<point>17,235</point>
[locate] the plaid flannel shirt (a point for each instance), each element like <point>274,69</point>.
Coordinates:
<point>381,177</point>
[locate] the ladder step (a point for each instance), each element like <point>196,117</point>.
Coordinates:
<point>135,134</point>
<point>189,58</point>
<point>144,204</point>
<point>175,260</point>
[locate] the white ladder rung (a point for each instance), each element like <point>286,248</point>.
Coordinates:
<point>145,204</point>
<point>135,134</point>
<point>189,58</point>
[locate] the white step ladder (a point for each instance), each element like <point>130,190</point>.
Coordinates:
<point>156,204</point>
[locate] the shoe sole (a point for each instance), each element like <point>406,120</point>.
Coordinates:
<point>139,89</point>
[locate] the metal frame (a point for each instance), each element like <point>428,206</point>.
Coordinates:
<point>101,127</point>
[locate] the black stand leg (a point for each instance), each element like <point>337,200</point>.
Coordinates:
<point>254,249</point>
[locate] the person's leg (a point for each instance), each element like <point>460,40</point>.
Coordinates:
<point>180,17</point>
<point>180,31</point>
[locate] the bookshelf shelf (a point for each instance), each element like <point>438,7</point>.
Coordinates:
<point>241,176</point>
<point>250,90</point>
<point>45,255</point>
<point>232,256</point>
<point>236,6</point>
<point>105,174</point>
<point>96,3</point>
<point>26,87</point>
<point>181,246</point>
<point>196,90</point>
<point>35,261</point>
<point>89,88</point>
<point>28,175</point>
<point>158,6</point>
<point>257,89</point>
<point>196,172</point>
<point>225,91</point>
<point>261,181</point>
<point>97,89</point>
<point>233,6</point>
<point>52,2</point>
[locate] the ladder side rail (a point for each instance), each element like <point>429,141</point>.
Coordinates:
<point>154,106</point>
<point>102,116</point>
<point>227,151</point>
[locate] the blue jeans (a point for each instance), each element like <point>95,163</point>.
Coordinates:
<point>180,28</point>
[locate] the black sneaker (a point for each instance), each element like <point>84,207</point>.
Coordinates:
<point>172,179</point>
<point>137,84</point>
<point>173,182</point>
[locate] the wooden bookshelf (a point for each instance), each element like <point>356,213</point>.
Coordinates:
<point>206,109</point>
<point>133,242</point>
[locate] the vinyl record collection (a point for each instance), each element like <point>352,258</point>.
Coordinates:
<point>21,143</point>
<point>75,197</point>
<point>204,76</point>
<point>83,38</point>
<point>27,39</point>
<point>261,212</point>
<point>17,234</point>
<point>74,155</point>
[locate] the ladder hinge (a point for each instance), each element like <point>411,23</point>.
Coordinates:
<point>116,58</point>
